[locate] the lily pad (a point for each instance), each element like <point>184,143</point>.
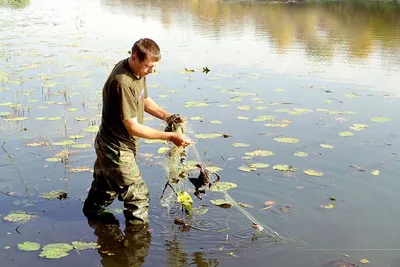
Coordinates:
<point>81,119</point>
<point>284,168</point>
<point>264,118</point>
<point>198,118</point>
<point>301,154</point>
<point>163,150</point>
<point>222,186</point>
<point>190,104</point>
<point>328,206</point>
<point>247,168</point>
<point>260,153</point>
<point>185,199</point>
<point>55,251</point>
<point>214,169</point>
<point>244,107</point>
<point>207,136</point>
<point>327,146</point>
<point>83,245</point>
<point>81,146</point>
<point>215,122</point>
<point>63,143</point>
<point>375,172</point>
<point>286,140</point>
<point>76,136</point>
<point>53,159</point>
<point>242,118</point>
<point>240,145</point>
<point>36,144</point>
<point>91,129</point>
<point>346,134</point>
<point>28,246</point>
<point>221,202</point>
<point>18,216</point>
<point>358,127</point>
<point>258,165</point>
<point>51,194</point>
<point>313,172</point>
<point>80,169</point>
<point>380,119</point>
<point>16,119</point>
<point>155,141</point>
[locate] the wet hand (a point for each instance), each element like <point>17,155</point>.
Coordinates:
<point>180,140</point>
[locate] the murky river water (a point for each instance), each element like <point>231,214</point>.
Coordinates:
<point>325,75</point>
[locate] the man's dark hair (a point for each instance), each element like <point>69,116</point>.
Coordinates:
<point>146,48</point>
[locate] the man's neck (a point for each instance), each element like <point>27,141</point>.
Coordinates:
<point>132,69</point>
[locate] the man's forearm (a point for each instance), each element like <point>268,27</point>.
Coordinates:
<point>154,109</point>
<point>136,129</point>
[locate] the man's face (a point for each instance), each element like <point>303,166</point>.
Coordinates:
<point>143,68</point>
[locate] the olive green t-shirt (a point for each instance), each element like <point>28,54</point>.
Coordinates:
<point>123,98</point>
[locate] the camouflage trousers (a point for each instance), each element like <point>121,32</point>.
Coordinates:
<point>116,174</point>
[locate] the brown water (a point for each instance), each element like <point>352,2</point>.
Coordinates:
<point>318,68</point>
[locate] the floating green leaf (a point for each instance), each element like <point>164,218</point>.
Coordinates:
<point>222,186</point>
<point>53,159</point>
<point>246,168</point>
<point>313,172</point>
<point>36,144</point>
<point>63,143</point>
<point>91,129</point>
<point>358,127</point>
<point>18,216</point>
<point>346,134</point>
<point>196,118</point>
<point>327,146</point>
<point>284,168</point>
<point>72,109</point>
<point>223,105</point>
<point>279,125</point>
<point>329,206</point>
<point>28,246</point>
<point>258,165</point>
<point>190,104</point>
<point>244,107</point>
<point>83,245</point>
<point>264,118</point>
<point>52,194</point>
<point>4,113</point>
<point>81,119</point>
<point>55,251</point>
<point>380,119</point>
<point>214,169</point>
<point>185,199</point>
<point>260,153</point>
<point>81,146</point>
<point>375,172</point>
<point>48,118</point>
<point>235,99</point>
<point>207,136</point>
<point>301,154</point>
<point>76,136</point>
<point>215,122</point>
<point>286,140</point>
<point>16,119</point>
<point>220,202</point>
<point>242,118</point>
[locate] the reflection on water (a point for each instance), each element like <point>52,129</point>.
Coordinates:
<point>341,34</point>
<point>119,249</point>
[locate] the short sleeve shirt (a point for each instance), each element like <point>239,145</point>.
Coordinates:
<point>123,98</point>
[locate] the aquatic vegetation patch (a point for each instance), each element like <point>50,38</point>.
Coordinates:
<point>28,246</point>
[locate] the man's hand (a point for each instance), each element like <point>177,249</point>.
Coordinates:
<point>180,139</point>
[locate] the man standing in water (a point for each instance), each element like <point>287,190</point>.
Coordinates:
<point>125,99</point>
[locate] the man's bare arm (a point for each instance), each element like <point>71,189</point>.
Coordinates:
<point>136,129</point>
<point>151,107</point>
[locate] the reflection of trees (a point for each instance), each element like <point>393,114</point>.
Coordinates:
<point>357,26</point>
<point>14,3</point>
